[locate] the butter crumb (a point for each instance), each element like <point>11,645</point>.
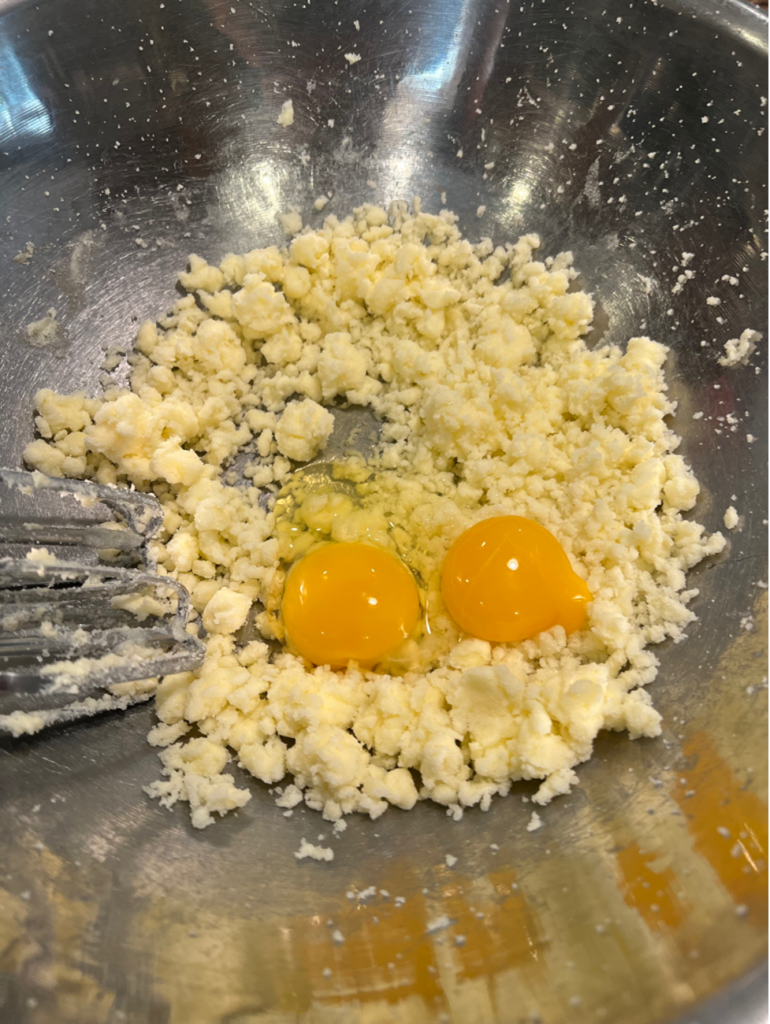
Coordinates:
<point>313,852</point>
<point>286,117</point>
<point>731,518</point>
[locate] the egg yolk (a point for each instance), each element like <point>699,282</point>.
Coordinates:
<point>349,602</point>
<point>508,578</point>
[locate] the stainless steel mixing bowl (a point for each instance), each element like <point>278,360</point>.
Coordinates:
<point>134,133</point>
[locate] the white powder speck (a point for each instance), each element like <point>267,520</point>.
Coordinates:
<point>352,58</point>
<point>450,860</point>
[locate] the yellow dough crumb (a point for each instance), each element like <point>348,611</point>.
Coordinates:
<point>286,117</point>
<point>471,357</point>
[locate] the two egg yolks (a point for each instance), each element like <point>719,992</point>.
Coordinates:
<point>507,578</point>
<point>504,580</point>
<point>349,602</point>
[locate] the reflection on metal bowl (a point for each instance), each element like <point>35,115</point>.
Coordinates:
<point>631,133</point>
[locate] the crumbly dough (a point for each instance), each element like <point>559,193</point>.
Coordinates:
<point>303,430</point>
<point>738,351</point>
<point>313,851</point>
<point>731,518</point>
<point>43,332</point>
<point>473,359</point>
<point>286,117</point>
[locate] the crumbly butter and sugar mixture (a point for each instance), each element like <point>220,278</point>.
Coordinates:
<point>490,403</point>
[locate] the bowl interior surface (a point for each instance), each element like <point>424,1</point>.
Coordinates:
<point>631,133</point>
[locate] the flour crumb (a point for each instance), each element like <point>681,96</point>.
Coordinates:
<point>291,222</point>
<point>352,58</point>
<point>535,822</point>
<point>43,332</point>
<point>480,211</point>
<point>449,860</point>
<point>739,350</point>
<point>307,849</point>
<point>290,797</point>
<point>25,255</point>
<point>731,518</point>
<point>286,117</point>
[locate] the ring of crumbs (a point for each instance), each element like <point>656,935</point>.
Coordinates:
<point>472,358</point>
